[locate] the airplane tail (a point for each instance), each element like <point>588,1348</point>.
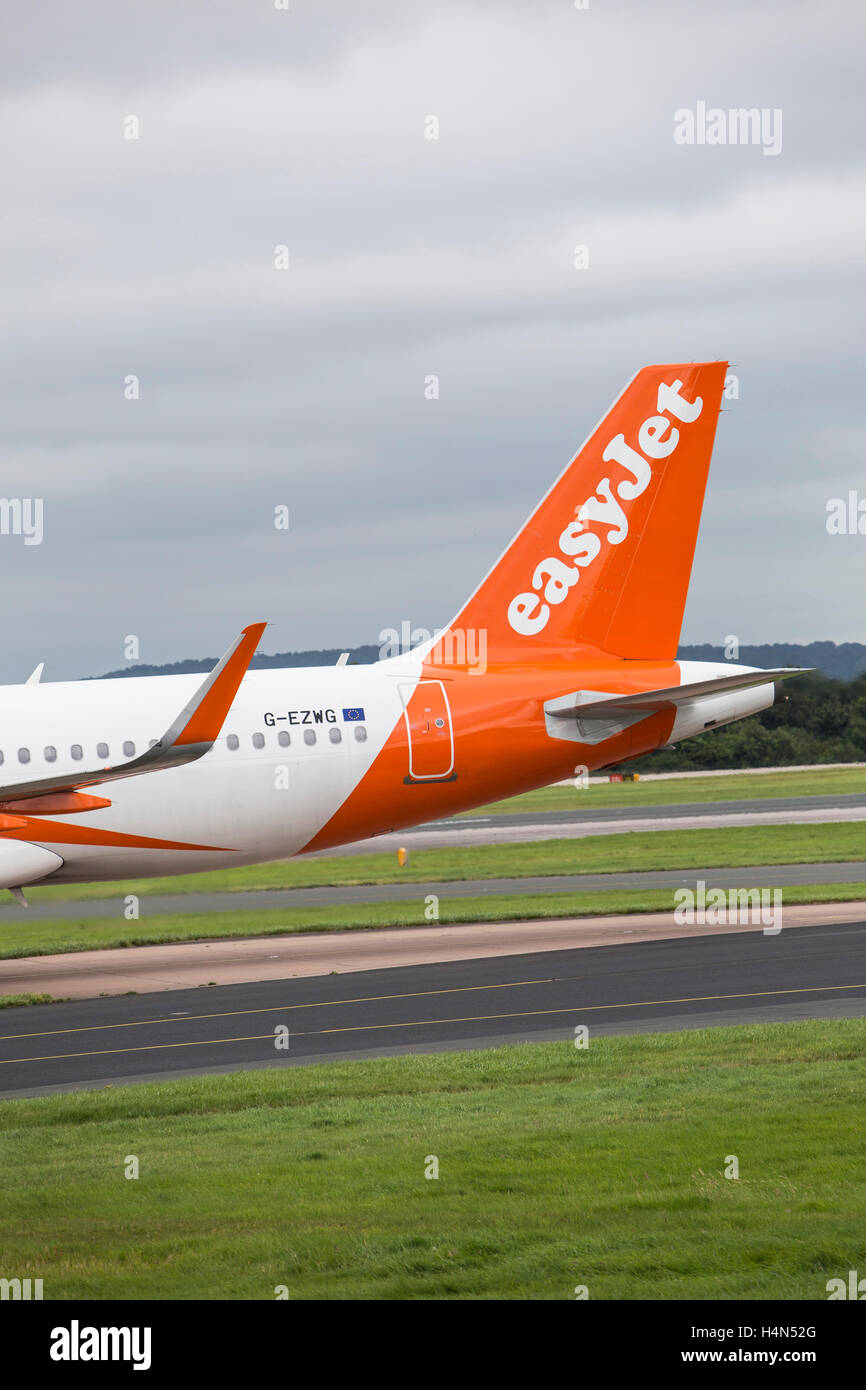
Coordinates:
<point>604,561</point>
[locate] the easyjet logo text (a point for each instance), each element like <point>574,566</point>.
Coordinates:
<point>555,576</point>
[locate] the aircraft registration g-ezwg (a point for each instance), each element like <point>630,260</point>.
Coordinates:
<point>580,620</point>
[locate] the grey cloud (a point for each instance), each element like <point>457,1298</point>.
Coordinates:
<point>409,257</point>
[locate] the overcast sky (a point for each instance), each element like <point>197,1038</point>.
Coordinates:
<point>409,256</point>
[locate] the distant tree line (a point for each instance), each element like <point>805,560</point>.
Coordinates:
<point>327,656</point>
<point>842,661</point>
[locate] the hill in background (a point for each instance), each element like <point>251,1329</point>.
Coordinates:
<point>842,663</point>
<point>359,656</point>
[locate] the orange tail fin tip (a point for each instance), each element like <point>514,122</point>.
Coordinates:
<point>603,563</point>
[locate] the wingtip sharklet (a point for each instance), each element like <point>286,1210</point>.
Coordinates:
<point>212,701</point>
<point>192,734</point>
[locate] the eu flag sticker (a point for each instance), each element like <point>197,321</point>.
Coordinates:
<point>352,716</point>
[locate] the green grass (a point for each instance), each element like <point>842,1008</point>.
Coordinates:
<point>15,1001</point>
<point>682,790</point>
<point>557,1167</point>
<point>635,851</point>
<point>98,933</point>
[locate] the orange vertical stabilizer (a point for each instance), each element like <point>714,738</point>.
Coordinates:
<point>604,561</point>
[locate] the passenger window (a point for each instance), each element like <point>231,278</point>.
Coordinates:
<point>102,750</point>
<point>258,740</point>
<point>75,750</point>
<point>335,736</point>
<point>23,755</point>
<point>151,743</point>
<point>50,753</point>
<point>283,739</point>
<point>360,733</point>
<point>309,736</point>
<point>129,748</point>
<point>232,742</point>
<point>1,759</point>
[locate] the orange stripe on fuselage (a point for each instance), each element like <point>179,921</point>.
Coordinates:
<point>501,745</point>
<point>52,832</point>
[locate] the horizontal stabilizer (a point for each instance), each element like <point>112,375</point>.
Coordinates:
<point>595,704</point>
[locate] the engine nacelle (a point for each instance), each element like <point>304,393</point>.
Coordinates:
<point>21,863</point>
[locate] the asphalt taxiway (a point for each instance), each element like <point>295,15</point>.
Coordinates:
<point>755,876</point>
<point>580,822</point>
<point>695,981</point>
<point>831,801</point>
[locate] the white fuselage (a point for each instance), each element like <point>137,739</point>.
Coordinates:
<point>293,752</point>
<point>259,803</point>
